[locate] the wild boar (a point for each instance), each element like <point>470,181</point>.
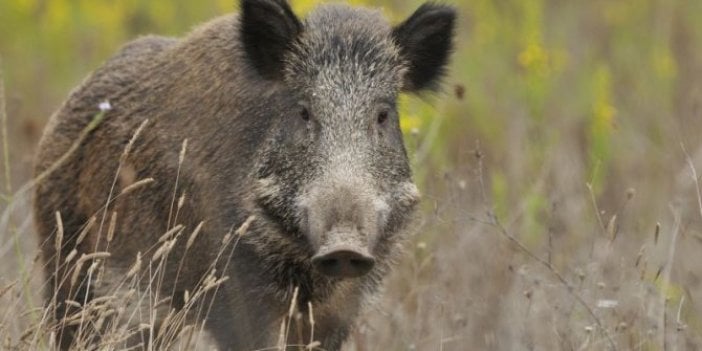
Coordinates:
<point>253,166</point>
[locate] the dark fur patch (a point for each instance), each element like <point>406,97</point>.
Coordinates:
<point>268,27</point>
<point>426,41</point>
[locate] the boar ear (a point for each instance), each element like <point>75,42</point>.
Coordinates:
<point>267,29</point>
<point>425,40</point>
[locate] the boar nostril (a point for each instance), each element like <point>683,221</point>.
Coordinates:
<point>328,264</point>
<point>343,264</point>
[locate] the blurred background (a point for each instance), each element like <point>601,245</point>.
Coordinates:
<point>559,166</point>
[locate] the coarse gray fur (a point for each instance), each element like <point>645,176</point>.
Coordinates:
<point>291,126</point>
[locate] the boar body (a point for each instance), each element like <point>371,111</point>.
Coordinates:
<point>276,138</point>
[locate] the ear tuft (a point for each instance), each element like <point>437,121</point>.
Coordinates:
<point>268,28</point>
<point>425,40</point>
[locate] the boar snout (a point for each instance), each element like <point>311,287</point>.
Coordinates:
<point>342,220</point>
<point>343,261</point>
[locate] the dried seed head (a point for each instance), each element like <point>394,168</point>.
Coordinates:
<point>112,227</point>
<point>93,267</point>
<point>311,319</point>
<point>100,275</point>
<point>181,201</point>
<point>130,145</point>
<point>52,340</point>
<point>281,335</point>
<point>102,299</point>
<point>93,256</point>
<point>75,304</point>
<point>169,233</point>
<point>163,250</point>
<point>59,232</point>
<point>86,229</point>
<point>76,272</point>
<point>162,302</point>
<point>185,330</point>
<point>226,238</point>
<point>166,322</point>
<point>214,284</point>
<point>293,302</point>
<point>193,236</point>
<point>313,345</point>
<point>181,157</point>
<point>245,226</point>
<point>128,295</point>
<point>100,321</point>
<point>71,255</point>
<point>135,267</point>
<point>136,185</point>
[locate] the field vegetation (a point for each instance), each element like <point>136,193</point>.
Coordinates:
<point>560,170</point>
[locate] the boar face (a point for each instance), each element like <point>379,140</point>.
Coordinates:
<point>334,172</point>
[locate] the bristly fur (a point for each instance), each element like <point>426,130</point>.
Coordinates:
<point>290,122</point>
<point>344,43</point>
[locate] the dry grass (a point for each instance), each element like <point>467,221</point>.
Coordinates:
<point>128,312</point>
<point>532,237</point>
<point>470,280</point>
<point>598,279</point>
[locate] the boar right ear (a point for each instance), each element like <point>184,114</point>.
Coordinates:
<point>425,40</point>
<point>267,29</point>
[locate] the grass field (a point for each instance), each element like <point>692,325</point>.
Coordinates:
<point>560,171</point>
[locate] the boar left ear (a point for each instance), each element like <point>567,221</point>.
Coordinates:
<point>267,29</point>
<point>425,40</point>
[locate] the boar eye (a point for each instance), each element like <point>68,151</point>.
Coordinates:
<point>382,117</point>
<point>304,114</point>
